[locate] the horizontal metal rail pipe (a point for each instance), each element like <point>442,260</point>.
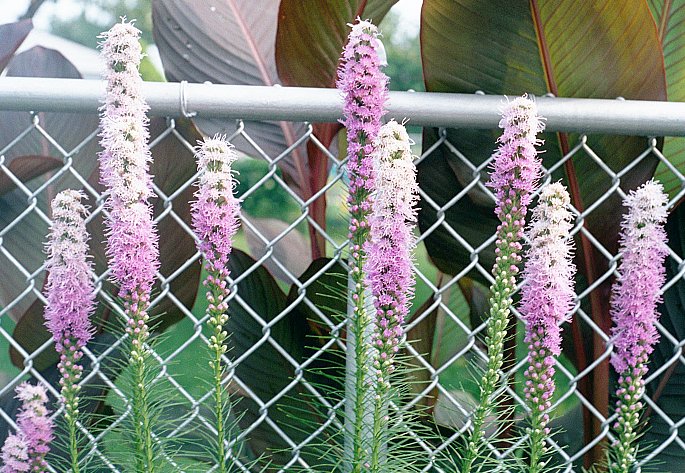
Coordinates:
<point>614,116</point>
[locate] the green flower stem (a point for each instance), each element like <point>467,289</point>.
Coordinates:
<point>626,427</point>
<point>70,390</point>
<point>380,412</point>
<point>141,409</point>
<point>538,431</point>
<point>504,271</point>
<point>217,319</point>
<point>360,332</point>
<point>359,327</point>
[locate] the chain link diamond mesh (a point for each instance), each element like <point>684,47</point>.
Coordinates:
<point>275,235</point>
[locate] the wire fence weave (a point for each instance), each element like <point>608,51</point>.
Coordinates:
<point>276,234</point>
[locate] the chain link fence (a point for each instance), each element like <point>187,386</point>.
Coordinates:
<point>277,305</point>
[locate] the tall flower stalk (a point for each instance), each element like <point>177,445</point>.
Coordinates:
<point>546,301</point>
<point>132,243</point>
<point>388,267</point>
<point>216,220</point>
<point>635,296</point>
<point>515,174</point>
<point>71,302</point>
<point>364,89</point>
<point>26,450</point>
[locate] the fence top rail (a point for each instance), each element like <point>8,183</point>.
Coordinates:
<point>617,116</point>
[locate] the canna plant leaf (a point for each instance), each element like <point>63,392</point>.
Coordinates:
<point>12,34</point>
<point>669,17</point>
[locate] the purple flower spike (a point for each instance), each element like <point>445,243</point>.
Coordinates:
<point>132,240</point>
<point>216,211</point>
<point>516,167</point>
<point>515,173</point>
<point>216,218</point>
<point>70,291</point>
<point>71,299</point>
<point>388,267</point>
<point>637,290</point>
<point>364,89</point>
<point>26,450</point>
<point>546,301</point>
<point>124,164</point>
<point>635,296</point>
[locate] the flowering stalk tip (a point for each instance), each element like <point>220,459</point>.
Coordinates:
<point>216,214</point>
<point>71,301</point>
<point>389,249</point>
<point>389,266</point>
<point>547,299</point>
<point>132,243</point>
<point>635,296</point>
<point>515,173</point>
<point>363,86</point>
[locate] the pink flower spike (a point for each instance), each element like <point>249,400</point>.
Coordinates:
<point>389,266</point>
<point>547,298</point>
<point>124,165</point>
<point>516,166</point>
<point>364,89</point>
<point>216,211</point>
<point>69,290</point>
<point>635,296</point>
<point>641,275</point>
<point>15,455</point>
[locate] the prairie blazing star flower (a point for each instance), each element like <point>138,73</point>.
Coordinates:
<point>70,291</point>
<point>635,296</point>
<point>132,247</point>
<point>389,250</point>
<point>124,170</point>
<point>32,441</point>
<point>216,220</point>
<point>216,210</point>
<point>514,177</point>
<point>547,298</point>
<point>364,89</point>
<point>71,299</point>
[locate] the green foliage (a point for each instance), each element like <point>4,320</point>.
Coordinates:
<point>98,15</point>
<point>404,55</point>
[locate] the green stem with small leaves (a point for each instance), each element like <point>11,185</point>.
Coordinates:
<point>504,271</point>
<point>217,319</point>
<point>360,325</point>
<point>71,375</point>
<point>144,443</point>
<point>629,407</point>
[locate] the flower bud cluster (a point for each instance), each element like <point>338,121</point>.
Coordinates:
<point>515,173</point>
